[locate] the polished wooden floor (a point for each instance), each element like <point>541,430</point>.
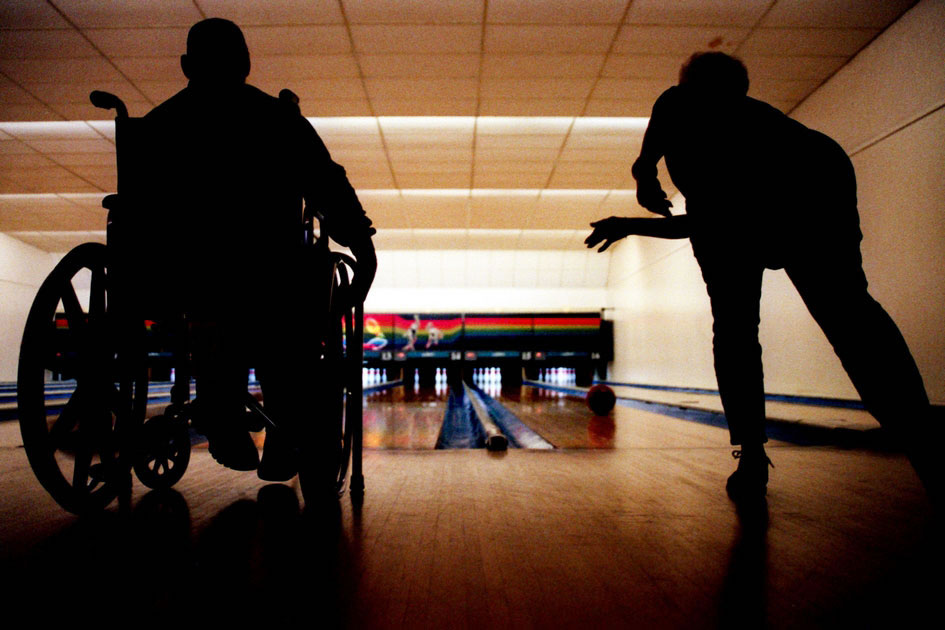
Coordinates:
<point>640,535</point>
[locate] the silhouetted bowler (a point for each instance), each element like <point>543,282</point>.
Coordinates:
<point>764,191</point>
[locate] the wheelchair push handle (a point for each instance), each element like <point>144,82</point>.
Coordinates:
<point>107,100</point>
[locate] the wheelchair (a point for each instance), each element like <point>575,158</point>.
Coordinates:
<point>84,441</point>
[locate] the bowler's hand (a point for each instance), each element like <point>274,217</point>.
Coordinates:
<point>366,269</point>
<point>655,201</point>
<point>608,230</point>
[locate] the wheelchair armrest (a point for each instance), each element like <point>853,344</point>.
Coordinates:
<point>110,202</point>
<point>113,204</point>
<point>106,100</point>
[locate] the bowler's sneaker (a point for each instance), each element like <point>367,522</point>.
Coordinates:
<point>749,482</point>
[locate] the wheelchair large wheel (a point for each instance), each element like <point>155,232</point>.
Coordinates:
<point>321,479</point>
<point>69,425</point>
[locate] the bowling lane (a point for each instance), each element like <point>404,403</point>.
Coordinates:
<point>404,418</point>
<point>562,419</point>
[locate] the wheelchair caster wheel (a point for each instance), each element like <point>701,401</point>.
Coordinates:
<point>163,452</point>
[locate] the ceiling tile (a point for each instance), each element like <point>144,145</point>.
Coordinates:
<point>395,38</point>
<point>270,12</point>
<point>525,140</point>
<point>427,179</point>
<point>416,156</point>
<point>775,90</point>
<point>139,42</point>
<point>428,66</point>
<point>422,89</point>
<point>438,217</point>
<point>78,92</point>
<point>149,68</point>
<point>805,41</point>
<point>697,12</point>
<point>296,40</point>
<point>495,217</point>
<point>81,70</point>
<point>120,13</point>
<point>10,162</point>
<point>336,107</point>
<point>86,159</point>
<point>835,13</point>
<point>73,146</point>
<point>536,88</point>
<point>87,111</point>
<point>381,178</point>
<point>567,178</point>
<point>44,44</point>
<point>15,147</point>
<point>386,217</point>
<point>556,12</point>
<point>28,14</point>
<point>309,89</point>
<point>10,186</point>
<point>160,91</point>
<point>413,11</point>
<point>548,39</point>
<point>59,242</point>
<point>13,94</point>
<point>105,177</point>
<point>533,157</point>
<point>611,107</point>
<point>792,67</point>
<point>513,166</point>
<point>643,66</point>
<point>511,66</point>
<point>678,40</point>
<point>530,179</point>
<point>631,89</point>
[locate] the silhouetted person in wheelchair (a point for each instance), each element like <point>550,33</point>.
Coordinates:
<point>764,191</point>
<point>228,169</point>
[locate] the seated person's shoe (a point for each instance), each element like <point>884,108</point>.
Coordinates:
<point>234,448</point>
<point>279,460</point>
<point>749,482</point>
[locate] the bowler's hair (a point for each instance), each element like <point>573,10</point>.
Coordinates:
<point>217,49</point>
<point>715,72</point>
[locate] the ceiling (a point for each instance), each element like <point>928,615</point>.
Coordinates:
<point>464,124</point>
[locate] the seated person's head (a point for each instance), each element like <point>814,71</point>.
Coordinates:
<point>216,53</point>
<point>715,76</point>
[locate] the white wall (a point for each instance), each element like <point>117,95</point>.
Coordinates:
<point>484,300</point>
<point>885,108</point>
<point>22,270</point>
<point>469,281</point>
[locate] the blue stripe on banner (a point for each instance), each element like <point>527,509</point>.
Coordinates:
<point>460,427</point>
<point>518,433</point>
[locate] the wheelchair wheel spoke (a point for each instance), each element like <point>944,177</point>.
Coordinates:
<point>74,312</point>
<point>80,474</point>
<point>97,294</point>
<point>61,430</point>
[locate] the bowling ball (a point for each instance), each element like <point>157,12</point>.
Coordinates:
<point>601,399</point>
